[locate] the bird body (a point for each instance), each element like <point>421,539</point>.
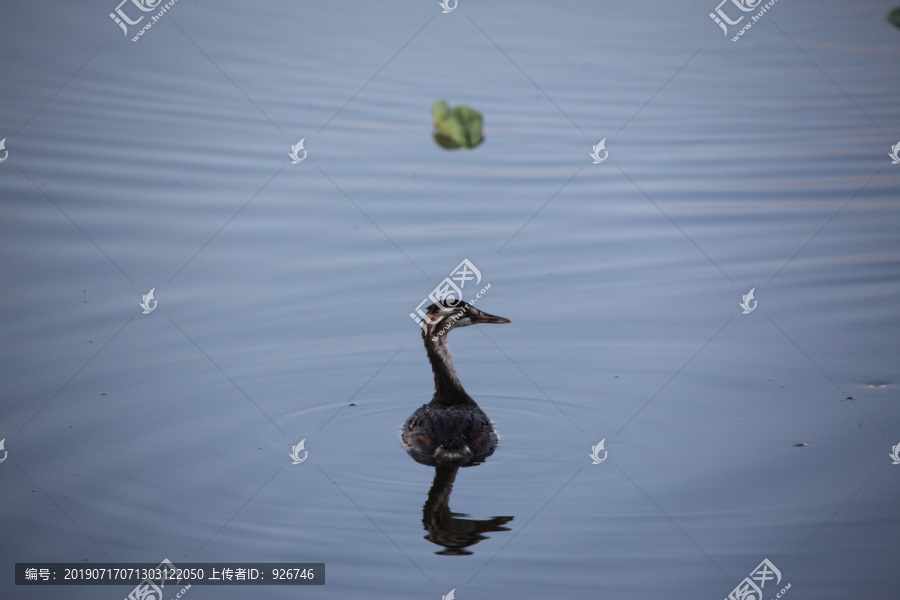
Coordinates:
<point>449,434</point>
<point>451,429</point>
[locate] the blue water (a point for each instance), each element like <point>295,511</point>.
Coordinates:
<point>284,292</point>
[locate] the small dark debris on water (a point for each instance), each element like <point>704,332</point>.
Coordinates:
<point>352,404</point>
<point>894,17</point>
<point>799,444</point>
<point>102,393</point>
<point>849,398</point>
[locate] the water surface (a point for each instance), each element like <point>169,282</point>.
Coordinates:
<point>284,293</point>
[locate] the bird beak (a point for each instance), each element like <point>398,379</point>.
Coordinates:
<point>483,317</point>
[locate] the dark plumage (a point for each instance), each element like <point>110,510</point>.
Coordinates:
<point>451,429</point>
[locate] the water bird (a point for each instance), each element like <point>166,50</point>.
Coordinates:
<point>451,429</point>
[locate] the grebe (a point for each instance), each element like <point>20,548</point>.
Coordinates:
<point>451,429</point>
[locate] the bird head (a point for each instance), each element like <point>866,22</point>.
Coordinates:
<point>443,316</point>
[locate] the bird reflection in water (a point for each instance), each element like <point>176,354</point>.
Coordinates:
<point>450,432</point>
<point>453,530</point>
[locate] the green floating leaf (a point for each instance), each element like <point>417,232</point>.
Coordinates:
<point>473,124</point>
<point>457,127</point>
<point>445,141</point>
<point>447,122</point>
<point>894,17</point>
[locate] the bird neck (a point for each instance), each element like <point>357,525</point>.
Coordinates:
<point>447,388</point>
